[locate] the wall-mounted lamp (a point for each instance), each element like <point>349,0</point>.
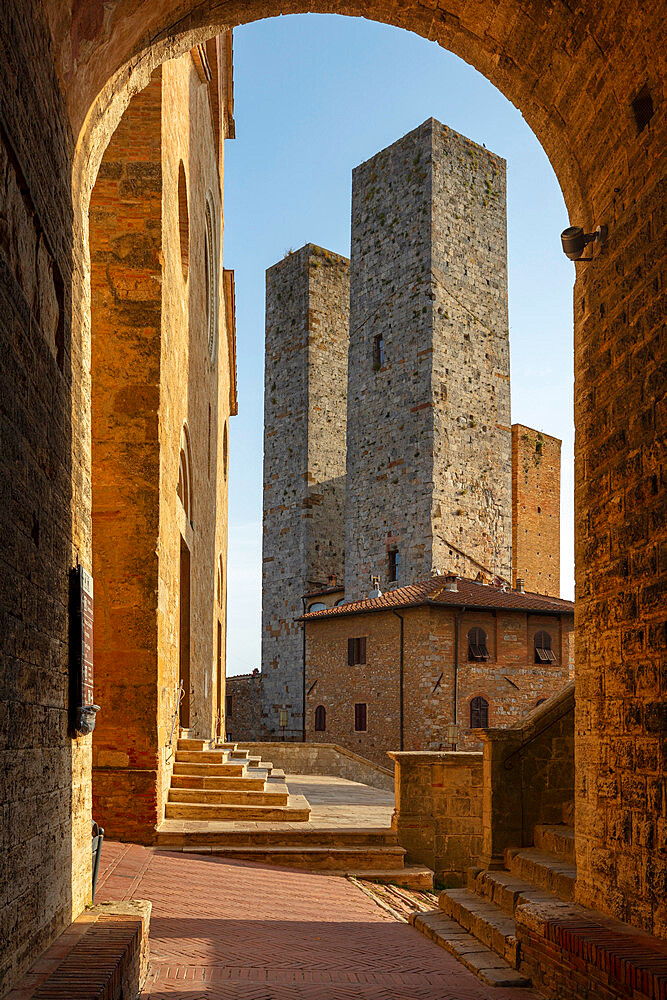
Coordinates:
<point>575,240</point>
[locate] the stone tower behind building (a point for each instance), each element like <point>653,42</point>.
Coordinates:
<point>429,449</point>
<point>536,510</point>
<point>305,385</point>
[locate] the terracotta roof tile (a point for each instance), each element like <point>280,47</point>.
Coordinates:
<point>470,594</point>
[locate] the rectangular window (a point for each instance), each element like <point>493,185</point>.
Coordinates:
<point>378,352</point>
<point>360,717</point>
<point>393,566</point>
<point>228,704</point>
<point>356,651</point>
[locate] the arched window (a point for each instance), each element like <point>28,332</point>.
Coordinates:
<point>320,719</point>
<point>477,648</point>
<point>183,220</point>
<point>479,713</point>
<point>543,650</point>
<point>317,606</point>
<point>220,581</point>
<point>338,603</point>
<point>211,275</point>
<point>184,488</point>
<point>225,451</point>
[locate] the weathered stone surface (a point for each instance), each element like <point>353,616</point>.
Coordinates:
<point>429,450</point>
<point>535,510</point>
<point>304,462</point>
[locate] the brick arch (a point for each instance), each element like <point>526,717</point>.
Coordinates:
<point>573,72</point>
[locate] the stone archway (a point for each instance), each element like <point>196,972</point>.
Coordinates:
<point>575,85</point>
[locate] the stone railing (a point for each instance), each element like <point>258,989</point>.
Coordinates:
<point>528,776</point>
<point>325,759</point>
<point>438,811</point>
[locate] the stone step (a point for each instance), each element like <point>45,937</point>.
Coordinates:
<point>188,744</point>
<point>210,770</point>
<point>556,839</point>
<point>242,782</point>
<point>236,797</point>
<point>484,920</point>
<point>485,963</point>
<point>296,810</point>
<point>202,757</point>
<point>408,877</point>
<point>280,836</point>
<point>544,870</point>
<point>276,773</point>
<point>505,889</point>
<point>316,857</point>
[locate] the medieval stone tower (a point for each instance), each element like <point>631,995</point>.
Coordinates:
<point>305,386</point>
<point>429,440</point>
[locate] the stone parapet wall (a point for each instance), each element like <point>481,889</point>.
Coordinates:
<point>438,811</point>
<point>528,776</point>
<point>325,759</point>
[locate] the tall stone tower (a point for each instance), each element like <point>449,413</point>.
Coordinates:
<point>536,510</point>
<point>305,386</point>
<point>429,441</point>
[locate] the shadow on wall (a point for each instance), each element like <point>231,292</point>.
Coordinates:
<point>45,858</point>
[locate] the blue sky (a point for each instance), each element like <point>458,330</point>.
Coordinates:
<point>314,96</point>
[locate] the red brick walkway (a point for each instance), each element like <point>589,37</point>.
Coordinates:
<point>223,929</point>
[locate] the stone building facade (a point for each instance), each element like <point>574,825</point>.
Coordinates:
<point>305,384</point>
<point>429,453</point>
<point>396,671</point>
<point>535,510</point>
<point>418,477</point>
<point>163,389</point>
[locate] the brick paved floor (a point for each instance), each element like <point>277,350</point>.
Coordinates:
<point>223,930</point>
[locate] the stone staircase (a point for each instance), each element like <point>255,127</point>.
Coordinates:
<point>219,793</point>
<point>222,783</point>
<point>477,923</point>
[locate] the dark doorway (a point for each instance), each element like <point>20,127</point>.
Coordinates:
<point>184,636</point>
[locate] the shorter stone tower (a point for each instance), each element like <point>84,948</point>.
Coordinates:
<point>429,449</point>
<point>536,510</point>
<point>305,385</point>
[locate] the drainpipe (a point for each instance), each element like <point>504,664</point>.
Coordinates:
<point>458,615</point>
<point>303,677</point>
<point>400,685</point>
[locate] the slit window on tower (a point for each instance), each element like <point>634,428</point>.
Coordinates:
<point>479,713</point>
<point>360,719</point>
<point>356,650</point>
<point>378,352</point>
<point>543,650</point>
<point>477,648</point>
<point>320,719</point>
<point>393,566</point>
<point>228,704</point>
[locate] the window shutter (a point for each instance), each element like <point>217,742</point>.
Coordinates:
<point>362,649</point>
<point>350,652</point>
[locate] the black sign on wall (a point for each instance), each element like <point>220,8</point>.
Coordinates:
<point>82,708</point>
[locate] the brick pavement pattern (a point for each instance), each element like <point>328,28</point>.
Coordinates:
<point>223,930</point>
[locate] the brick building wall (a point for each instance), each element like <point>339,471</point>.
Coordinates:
<point>243,715</point>
<point>153,373</point>
<point>429,456</point>
<point>535,510</point>
<point>304,460</point>
<point>510,680</point>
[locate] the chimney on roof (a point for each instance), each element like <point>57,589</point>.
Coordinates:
<point>519,585</point>
<point>451,582</point>
<point>375,584</point>
<point>332,580</point>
